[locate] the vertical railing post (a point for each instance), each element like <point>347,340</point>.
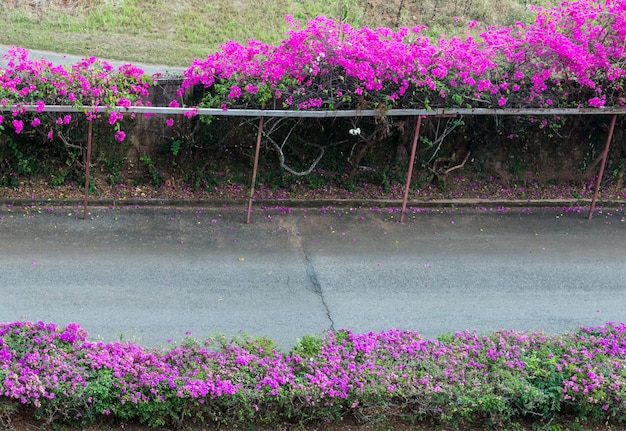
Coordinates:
<point>254,169</point>
<point>87,166</point>
<point>411,163</point>
<point>605,155</point>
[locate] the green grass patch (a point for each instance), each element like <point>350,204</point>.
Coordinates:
<point>176,32</point>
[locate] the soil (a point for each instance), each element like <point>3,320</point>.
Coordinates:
<point>345,425</point>
<point>459,188</point>
<point>26,423</point>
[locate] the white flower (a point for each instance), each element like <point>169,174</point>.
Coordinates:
<point>355,132</point>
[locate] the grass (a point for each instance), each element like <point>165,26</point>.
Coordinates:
<point>174,32</point>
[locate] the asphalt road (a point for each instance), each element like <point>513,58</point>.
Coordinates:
<point>152,274</point>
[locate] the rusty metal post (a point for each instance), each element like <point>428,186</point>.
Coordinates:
<point>605,155</point>
<point>254,169</point>
<point>411,163</point>
<point>87,166</point>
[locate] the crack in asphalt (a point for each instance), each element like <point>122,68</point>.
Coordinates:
<point>316,285</point>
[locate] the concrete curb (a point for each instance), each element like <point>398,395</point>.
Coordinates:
<point>318,203</point>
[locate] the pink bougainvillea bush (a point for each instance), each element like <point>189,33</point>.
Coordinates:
<point>90,85</point>
<point>494,379</point>
<point>573,55</point>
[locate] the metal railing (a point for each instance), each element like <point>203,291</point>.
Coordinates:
<point>262,113</point>
<point>163,110</point>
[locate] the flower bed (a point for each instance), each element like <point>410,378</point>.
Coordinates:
<point>496,379</point>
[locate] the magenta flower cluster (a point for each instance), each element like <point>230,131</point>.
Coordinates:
<point>90,82</point>
<point>459,377</point>
<point>572,55</point>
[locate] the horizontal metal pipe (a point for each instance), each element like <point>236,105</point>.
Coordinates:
<point>158,110</point>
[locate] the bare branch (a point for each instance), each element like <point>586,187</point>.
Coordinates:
<point>67,143</point>
<point>281,155</point>
<point>450,126</point>
<point>589,171</point>
<point>454,168</point>
<point>277,122</point>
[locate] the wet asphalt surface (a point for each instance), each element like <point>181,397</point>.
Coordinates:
<point>151,274</point>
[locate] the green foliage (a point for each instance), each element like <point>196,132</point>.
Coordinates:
<point>8,410</point>
<point>316,180</point>
<point>308,346</point>
<point>255,344</point>
<point>111,157</point>
<point>203,178</point>
<point>517,165</point>
<point>85,405</point>
<point>156,178</point>
<point>175,146</point>
<point>59,178</point>
<point>271,177</point>
<point>23,164</point>
<point>446,337</point>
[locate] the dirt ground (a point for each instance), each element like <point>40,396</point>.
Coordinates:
<point>348,425</point>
